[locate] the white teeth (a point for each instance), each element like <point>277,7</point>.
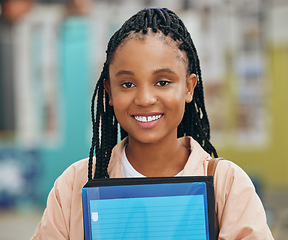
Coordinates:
<point>147,119</point>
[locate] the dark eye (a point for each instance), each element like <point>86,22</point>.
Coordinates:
<point>162,83</point>
<point>127,85</point>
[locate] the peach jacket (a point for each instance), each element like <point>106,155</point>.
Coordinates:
<point>240,213</point>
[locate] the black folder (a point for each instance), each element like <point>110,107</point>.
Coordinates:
<point>149,208</point>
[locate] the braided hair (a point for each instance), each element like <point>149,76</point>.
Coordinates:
<point>105,126</point>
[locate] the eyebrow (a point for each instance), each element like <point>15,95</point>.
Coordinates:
<point>162,70</point>
<point>123,72</point>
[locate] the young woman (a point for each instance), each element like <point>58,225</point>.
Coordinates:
<point>151,85</point>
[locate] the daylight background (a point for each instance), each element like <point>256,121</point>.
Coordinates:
<point>51,54</point>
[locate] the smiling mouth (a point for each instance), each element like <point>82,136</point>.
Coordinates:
<point>148,118</point>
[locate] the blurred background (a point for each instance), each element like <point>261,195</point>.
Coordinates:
<point>52,52</point>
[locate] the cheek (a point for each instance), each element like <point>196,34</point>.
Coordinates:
<point>121,103</point>
<point>178,104</point>
<point>120,112</point>
<point>177,97</point>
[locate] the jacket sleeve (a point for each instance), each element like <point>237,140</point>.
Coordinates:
<point>239,210</point>
<point>55,220</point>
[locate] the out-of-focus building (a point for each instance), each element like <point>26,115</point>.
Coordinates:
<point>51,55</point>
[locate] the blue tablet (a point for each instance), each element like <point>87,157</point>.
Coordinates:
<point>149,208</point>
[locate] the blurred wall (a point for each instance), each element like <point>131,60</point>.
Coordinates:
<point>267,161</point>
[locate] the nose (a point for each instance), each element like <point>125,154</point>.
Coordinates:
<point>145,96</point>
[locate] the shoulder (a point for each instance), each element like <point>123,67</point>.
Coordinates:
<point>228,175</point>
<point>229,172</point>
<point>67,190</point>
<point>238,208</point>
<point>80,166</point>
<point>233,187</point>
<point>231,182</point>
<point>63,214</point>
<point>76,168</point>
<point>74,177</point>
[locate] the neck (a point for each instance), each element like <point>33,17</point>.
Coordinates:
<point>157,159</point>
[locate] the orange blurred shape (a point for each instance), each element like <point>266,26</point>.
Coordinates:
<point>14,10</point>
<point>79,7</point>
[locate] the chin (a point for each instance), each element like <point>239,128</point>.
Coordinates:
<point>146,139</point>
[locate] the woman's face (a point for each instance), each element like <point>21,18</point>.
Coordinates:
<point>149,86</point>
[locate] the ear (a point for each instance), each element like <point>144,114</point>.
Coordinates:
<point>191,84</point>
<point>107,87</point>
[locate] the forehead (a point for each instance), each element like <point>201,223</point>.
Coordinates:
<point>144,57</point>
<point>152,36</point>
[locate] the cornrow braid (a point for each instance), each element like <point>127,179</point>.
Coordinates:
<point>105,126</point>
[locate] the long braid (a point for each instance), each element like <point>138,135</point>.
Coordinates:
<point>105,126</point>
<point>94,136</point>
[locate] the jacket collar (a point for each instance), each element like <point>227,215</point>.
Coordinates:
<point>194,167</point>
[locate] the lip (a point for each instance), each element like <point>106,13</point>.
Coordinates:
<point>147,120</point>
